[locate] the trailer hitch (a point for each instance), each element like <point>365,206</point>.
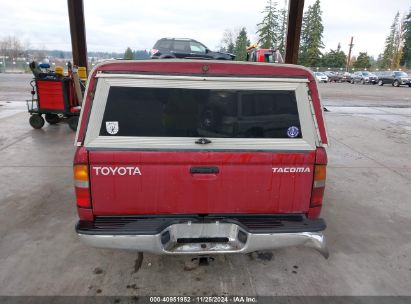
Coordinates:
<point>203,260</point>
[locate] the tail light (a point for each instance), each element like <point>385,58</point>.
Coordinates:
<point>81,178</point>
<point>318,185</point>
<point>81,185</point>
<point>320,173</point>
<point>153,51</point>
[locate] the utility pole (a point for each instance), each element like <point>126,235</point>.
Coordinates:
<point>295,17</point>
<point>349,54</point>
<point>78,32</point>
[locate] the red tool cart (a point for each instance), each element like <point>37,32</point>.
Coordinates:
<point>53,96</point>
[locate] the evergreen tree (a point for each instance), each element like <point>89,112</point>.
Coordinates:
<point>304,39</point>
<point>406,55</point>
<point>379,62</point>
<point>398,41</point>
<point>241,43</point>
<point>311,36</point>
<point>269,28</point>
<point>334,58</point>
<point>128,54</point>
<point>363,61</point>
<point>230,48</point>
<point>282,33</point>
<point>391,43</point>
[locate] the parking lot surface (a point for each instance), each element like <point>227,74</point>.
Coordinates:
<point>367,208</point>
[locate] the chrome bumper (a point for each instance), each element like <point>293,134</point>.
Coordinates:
<point>207,238</point>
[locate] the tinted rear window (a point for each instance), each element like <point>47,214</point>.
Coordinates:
<point>163,44</point>
<point>180,46</point>
<point>161,112</point>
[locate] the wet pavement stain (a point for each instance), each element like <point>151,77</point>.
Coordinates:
<point>265,256</point>
<point>261,255</point>
<point>98,270</point>
<point>132,286</point>
<point>139,262</point>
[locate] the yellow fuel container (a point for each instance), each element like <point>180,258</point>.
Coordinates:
<point>59,70</point>
<point>82,73</point>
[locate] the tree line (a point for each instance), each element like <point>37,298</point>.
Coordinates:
<point>136,54</point>
<point>397,50</point>
<point>13,49</point>
<point>271,33</point>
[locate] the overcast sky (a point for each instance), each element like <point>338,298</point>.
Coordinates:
<point>114,25</point>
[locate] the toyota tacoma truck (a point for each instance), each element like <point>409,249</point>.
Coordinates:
<point>200,157</point>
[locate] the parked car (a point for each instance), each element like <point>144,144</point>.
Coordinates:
<point>321,77</point>
<point>333,76</point>
<point>395,78</point>
<point>346,77</point>
<point>364,77</point>
<point>178,165</point>
<point>167,48</point>
<point>379,73</point>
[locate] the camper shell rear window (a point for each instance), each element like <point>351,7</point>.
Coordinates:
<point>183,112</point>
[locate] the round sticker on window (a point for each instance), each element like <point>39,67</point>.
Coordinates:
<point>293,132</point>
<point>112,127</point>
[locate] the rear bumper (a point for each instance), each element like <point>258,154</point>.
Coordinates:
<point>211,236</point>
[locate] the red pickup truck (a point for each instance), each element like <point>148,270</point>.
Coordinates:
<point>200,157</point>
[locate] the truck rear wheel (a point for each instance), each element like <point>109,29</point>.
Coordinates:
<point>73,122</point>
<point>52,118</point>
<point>36,121</point>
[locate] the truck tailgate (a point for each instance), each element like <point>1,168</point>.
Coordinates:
<point>144,182</point>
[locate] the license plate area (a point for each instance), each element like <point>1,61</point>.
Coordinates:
<point>199,237</point>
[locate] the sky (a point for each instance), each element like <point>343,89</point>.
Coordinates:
<point>114,25</point>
